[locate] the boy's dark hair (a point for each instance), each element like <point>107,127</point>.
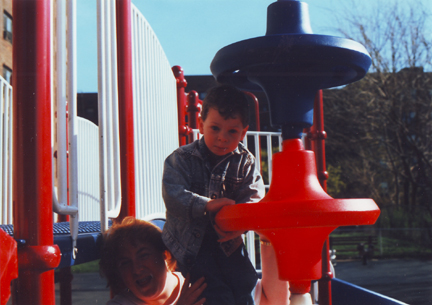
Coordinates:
<point>229,101</point>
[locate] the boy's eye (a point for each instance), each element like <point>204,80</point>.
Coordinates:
<point>215,128</point>
<point>233,131</point>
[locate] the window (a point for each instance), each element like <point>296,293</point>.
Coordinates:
<point>7,26</point>
<point>7,74</point>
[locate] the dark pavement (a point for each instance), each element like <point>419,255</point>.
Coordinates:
<point>87,288</point>
<point>409,281</point>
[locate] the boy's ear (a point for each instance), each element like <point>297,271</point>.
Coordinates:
<point>244,132</point>
<point>201,125</point>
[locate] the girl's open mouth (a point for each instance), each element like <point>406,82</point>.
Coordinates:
<point>144,281</point>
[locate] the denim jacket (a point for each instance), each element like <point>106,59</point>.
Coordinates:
<point>189,183</point>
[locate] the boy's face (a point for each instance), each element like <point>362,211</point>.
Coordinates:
<point>221,136</point>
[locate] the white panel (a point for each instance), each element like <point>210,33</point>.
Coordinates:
<point>155,115</point>
<point>88,170</point>
<point>5,152</point>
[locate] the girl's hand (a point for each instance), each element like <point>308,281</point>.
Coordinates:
<point>214,205</point>
<point>226,235</point>
<point>190,293</point>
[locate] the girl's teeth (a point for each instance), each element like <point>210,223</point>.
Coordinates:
<point>145,280</point>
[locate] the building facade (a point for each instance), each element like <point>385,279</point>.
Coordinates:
<point>6,41</point>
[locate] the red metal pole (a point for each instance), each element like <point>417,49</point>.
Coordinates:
<point>125,98</point>
<point>319,137</point>
<point>32,163</point>
<point>318,145</point>
<point>184,130</point>
<point>256,109</point>
<point>194,106</point>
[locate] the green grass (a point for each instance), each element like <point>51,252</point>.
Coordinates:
<point>386,247</point>
<point>396,247</point>
<point>89,267</point>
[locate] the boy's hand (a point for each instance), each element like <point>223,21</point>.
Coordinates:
<point>190,293</point>
<point>214,205</point>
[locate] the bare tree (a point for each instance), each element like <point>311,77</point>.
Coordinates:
<point>380,128</point>
<point>393,31</point>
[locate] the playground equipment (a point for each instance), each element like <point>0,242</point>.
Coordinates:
<point>291,64</point>
<point>38,251</point>
<point>33,253</point>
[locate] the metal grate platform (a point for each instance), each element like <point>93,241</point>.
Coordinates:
<point>88,242</point>
<point>62,228</point>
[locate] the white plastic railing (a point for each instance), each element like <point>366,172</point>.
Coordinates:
<point>109,147</point>
<point>155,115</point>
<point>5,151</point>
<point>273,143</point>
<point>88,171</point>
<point>66,73</point>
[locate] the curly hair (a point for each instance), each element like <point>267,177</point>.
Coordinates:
<point>229,101</point>
<point>129,231</point>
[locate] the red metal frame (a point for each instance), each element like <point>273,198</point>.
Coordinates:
<point>32,163</point>
<point>184,129</point>
<point>317,137</point>
<point>256,109</point>
<point>37,257</point>
<point>193,110</point>
<point>315,141</point>
<point>125,98</point>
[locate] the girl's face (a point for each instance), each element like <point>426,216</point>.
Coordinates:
<point>143,270</point>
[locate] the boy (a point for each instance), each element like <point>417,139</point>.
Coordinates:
<point>199,179</point>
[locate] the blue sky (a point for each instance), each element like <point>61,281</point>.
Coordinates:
<point>192,31</point>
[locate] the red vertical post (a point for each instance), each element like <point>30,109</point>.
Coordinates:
<point>256,109</point>
<point>318,145</point>
<point>32,163</point>
<point>125,99</point>
<point>320,136</point>
<point>184,130</point>
<point>257,122</point>
<point>193,110</point>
